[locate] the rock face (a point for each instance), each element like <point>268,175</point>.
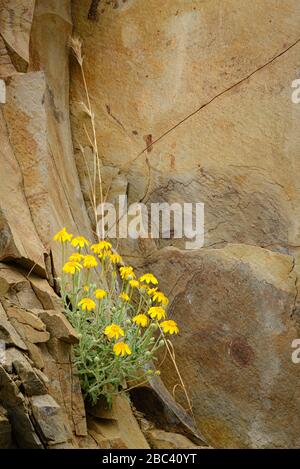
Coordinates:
<point>41,190</point>
<point>116,428</point>
<point>166,440</point>
<point>41,404</point>
<point>38,387</point>
<point>51,29</point>
<point>157,66</point>
<point>236,307</point>
<point>40,394</point>
<point>5,430</point>
<point>192,103</point>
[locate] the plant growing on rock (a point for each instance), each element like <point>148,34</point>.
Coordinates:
<point>121,320</point>
<point>120,328</point>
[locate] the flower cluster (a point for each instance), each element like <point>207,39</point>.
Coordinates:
<point>121,318</point>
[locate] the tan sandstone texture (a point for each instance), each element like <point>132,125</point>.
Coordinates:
<point>236,307</point>
<point>36,372</point>
<point>192,103</point>
<point>41,404</point>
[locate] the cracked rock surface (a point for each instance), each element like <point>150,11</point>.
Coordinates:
<point>192,103</point>
<point>236,306</point>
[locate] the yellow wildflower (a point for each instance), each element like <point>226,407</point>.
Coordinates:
<point>89,262</point>
<point>127,273</point>
<point>134,283</point>
<point>113,331</point>
<point>76,257</point>
<point>124,296</point>
<point>115,258</point>
<point>104,254</point>
<point>100,294</point>
<point>70,267</point>
<point>149,278</point>
<point>79,241</point>
<point>87,304</point>
<point>157,312</point>
<point>63,236</point>
<point>160,298</point>
<point>101,246</point>
<point>169,326</point>
<point>141,320</point>
<point>151,291</point>
<point>122,349</point>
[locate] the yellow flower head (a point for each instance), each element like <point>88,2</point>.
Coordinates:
<point>170,327</point>
<point>124,296</point>
<point>104,254</point>
<point>127,273</point>
<point>115,258</point>
<point>80,241</point>
<point>100,294</point>
<point>122,349</point>
<point>151,291</point>
<point>141,320</point>
<point>113,331</point>
<point>149,278</point>
<point>101,246</point>
<point>89,262</point>
<point>63,236</point>
<point>76,257</point>
<point>157,312</point>
<point>86,288</point>
<point>87,304</point>
<point>160,298</point>
<point>71,267</point>
<point>134,283</point>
